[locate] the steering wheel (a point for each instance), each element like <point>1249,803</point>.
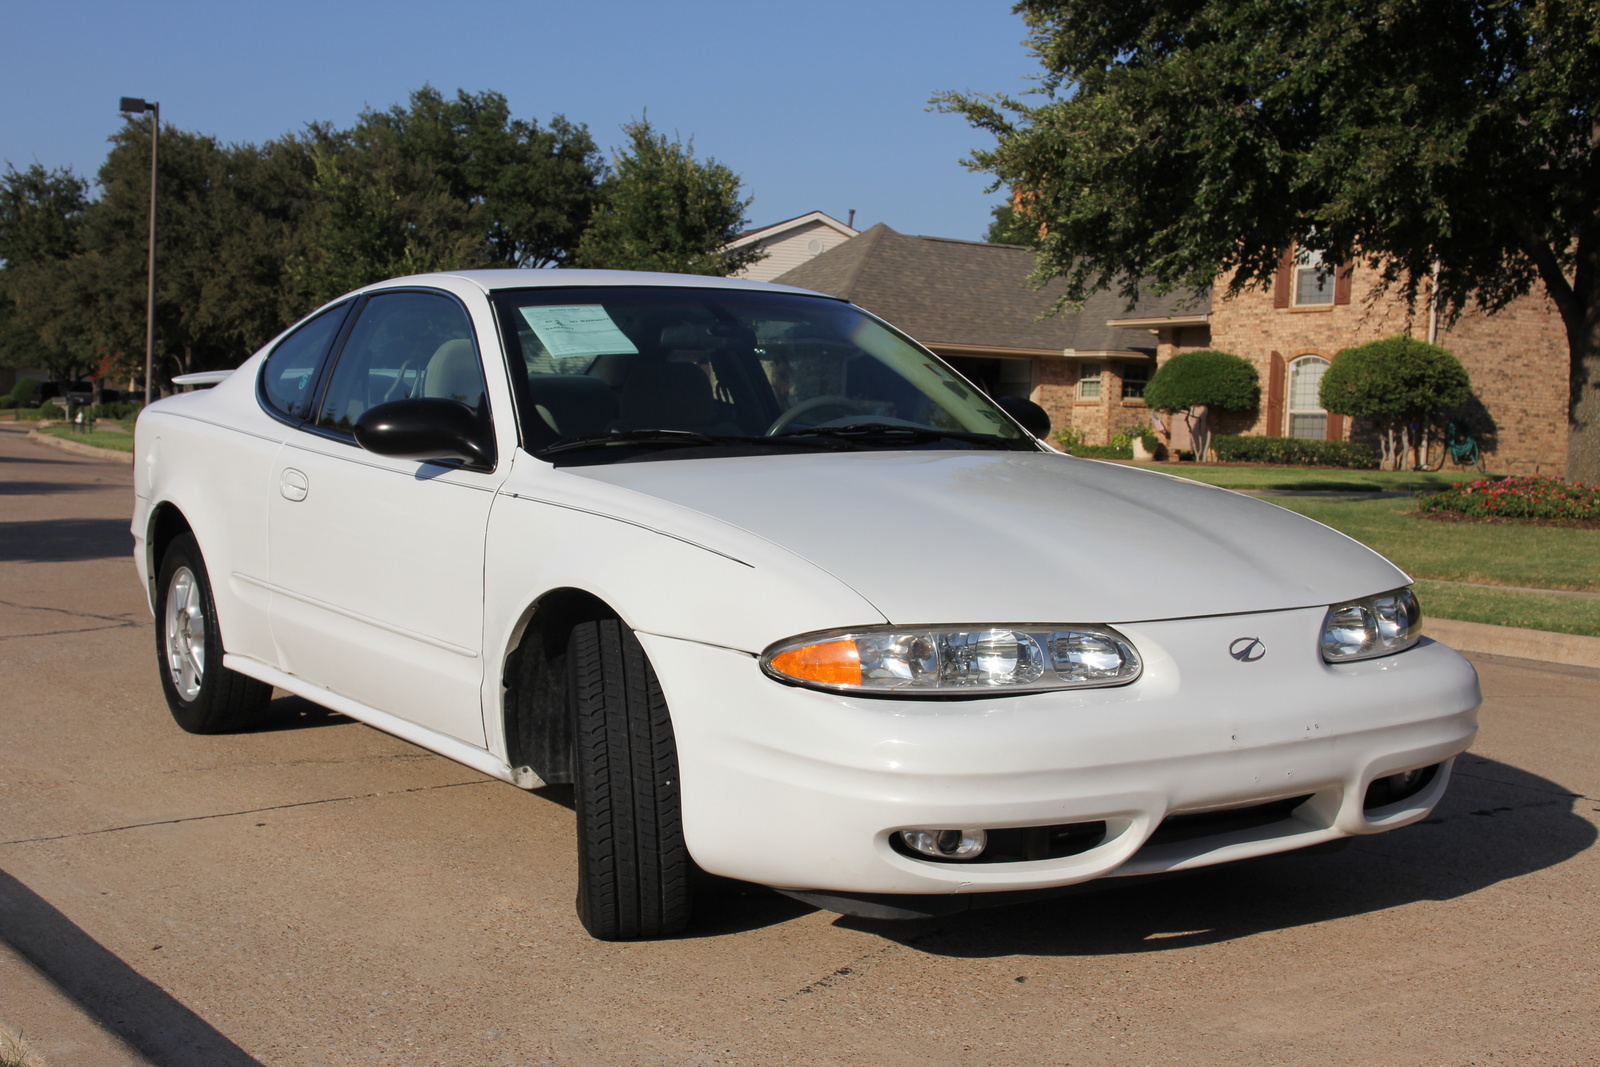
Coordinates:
<point>816,403</point>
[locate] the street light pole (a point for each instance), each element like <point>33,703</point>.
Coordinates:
<point>138,106</point>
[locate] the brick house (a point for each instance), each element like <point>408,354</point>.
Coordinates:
<point>971,303</point>
<point>1516,359</point>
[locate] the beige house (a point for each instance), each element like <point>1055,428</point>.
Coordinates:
<point>791,242</point>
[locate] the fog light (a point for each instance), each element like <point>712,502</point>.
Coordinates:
<point>946,844</point>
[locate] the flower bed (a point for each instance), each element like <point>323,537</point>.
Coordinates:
<point>1525,497</point>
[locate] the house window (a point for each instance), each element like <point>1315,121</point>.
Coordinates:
<point>1313,280</point>
<point>1307,418</point>
<point>1135,376</point>
<point>1089,381</point>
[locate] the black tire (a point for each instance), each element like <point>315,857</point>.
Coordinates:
<point>633,867</point>
<point>205,697</point>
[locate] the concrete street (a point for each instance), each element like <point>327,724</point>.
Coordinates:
<point>320,893</point>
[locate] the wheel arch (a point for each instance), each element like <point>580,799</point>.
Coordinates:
<point>534,710</point>
<point>167,523</point>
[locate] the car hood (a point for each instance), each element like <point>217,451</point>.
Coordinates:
<point>1020,537</point>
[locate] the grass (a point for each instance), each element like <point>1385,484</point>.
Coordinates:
<point>1318,478</point>
<point>1504,607</point>
<point>14,1052</point>
<point>1437,553</point>
<point>1491,553</point>
<point>119,439</point>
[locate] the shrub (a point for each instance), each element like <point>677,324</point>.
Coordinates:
<point>22,392</point>
<point>1196,383</point>
<point>1395,383</point>
<point>1528,497</point>
<point>1295,452</point>
<point>1112,451</point>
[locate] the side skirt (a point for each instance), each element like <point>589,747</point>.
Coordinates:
<point>443,744</point>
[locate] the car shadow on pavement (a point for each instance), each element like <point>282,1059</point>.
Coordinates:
<point>1495,823</point>
<point>124,1001</point>
<point>289,712</point>
<point>65,540</point>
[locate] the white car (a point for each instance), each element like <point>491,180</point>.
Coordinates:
<point>779,593</point>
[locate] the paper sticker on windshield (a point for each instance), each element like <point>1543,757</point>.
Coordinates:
<point>577,330</point>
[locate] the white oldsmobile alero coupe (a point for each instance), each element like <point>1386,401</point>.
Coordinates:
<point>780,595</point>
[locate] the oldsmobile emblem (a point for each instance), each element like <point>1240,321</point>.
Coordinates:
<point>1247,649</point>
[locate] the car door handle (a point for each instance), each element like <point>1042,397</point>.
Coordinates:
<point>293,484</point>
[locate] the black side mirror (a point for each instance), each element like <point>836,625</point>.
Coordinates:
<point>1034,419</point>
<point>428,430</point>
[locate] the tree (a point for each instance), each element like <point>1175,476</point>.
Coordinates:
<point>1396,384</point>
<point>41,230</point>
<point>1177,141</point>
<point>1197,383</point>
<point>664,210</point>
<point>1010,228</point>
<point>443,185</point>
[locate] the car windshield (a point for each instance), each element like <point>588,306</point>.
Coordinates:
<point>621,373</point>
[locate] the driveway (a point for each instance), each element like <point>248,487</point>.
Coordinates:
<point>321,893</point>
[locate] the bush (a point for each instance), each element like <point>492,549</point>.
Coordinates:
<point>1102,451</point>
<point>22,392</point>
<point>1395,383</point>
<point>1198,383</point>
<point>1529,497</point>
<point>1295,452</point>
<point>119,410</point>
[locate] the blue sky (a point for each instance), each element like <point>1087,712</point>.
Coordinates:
<point>816,105</point>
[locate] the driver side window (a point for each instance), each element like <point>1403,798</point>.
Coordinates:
<point>407,344</point>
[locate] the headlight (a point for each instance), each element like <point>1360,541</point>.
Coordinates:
<point>954,662</point>
<point>1372,626</point>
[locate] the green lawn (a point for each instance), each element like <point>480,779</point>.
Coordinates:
<point>118,439</point>
<point>1316,478</point>
<point>1544,557</point>
<point>1501,607</point>
<point>1506,554</point>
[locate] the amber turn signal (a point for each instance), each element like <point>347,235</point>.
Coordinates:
<point>834,662</point>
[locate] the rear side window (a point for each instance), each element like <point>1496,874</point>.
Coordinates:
<point>289,376</point>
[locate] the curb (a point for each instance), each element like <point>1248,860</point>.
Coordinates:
<point>53,1024</point>
<point>1572,650</point>
<point>80,448</point>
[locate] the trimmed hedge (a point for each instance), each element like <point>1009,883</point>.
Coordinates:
<point>1102,451</point>
<point>1294,452</point>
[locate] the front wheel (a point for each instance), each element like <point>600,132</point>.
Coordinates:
<point>204,696</point>
<point>633,866</point>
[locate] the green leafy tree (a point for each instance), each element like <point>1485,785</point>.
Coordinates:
<point>1395,384</point>
<point>1176,141</point>
<point>665,210</point>
<point>41,231</point>
<point>443,184</point>
<point>1011,228</point>
<point>1195,384</point>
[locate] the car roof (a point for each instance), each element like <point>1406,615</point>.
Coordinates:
<point>491,281</point>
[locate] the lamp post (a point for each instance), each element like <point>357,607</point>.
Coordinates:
<point>137,106</point>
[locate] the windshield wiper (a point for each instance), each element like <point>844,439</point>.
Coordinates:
<point>676,439</point>
<point>890,433</point>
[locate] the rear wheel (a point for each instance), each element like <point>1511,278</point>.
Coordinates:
<point>633,867</point>
<point>205,697</point>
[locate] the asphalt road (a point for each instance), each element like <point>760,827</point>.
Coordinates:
<point>321,893</point>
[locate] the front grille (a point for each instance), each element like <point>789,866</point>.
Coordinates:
<point>1176,828</point>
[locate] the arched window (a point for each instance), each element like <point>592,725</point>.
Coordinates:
<point>1307,418</point>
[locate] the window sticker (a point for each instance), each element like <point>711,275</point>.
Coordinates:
<point>577,330</point>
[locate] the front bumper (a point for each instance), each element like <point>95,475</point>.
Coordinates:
<point>803,790</point>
